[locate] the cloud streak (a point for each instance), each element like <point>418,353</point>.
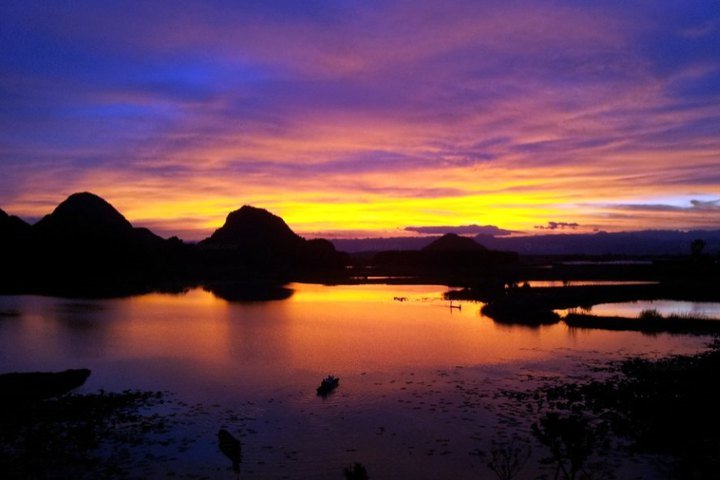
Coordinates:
<point>490,230</point>
<point>558,226</point>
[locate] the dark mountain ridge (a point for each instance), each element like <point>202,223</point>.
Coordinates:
<point>641,242</point>
<point>252,227</point>
<point>452,242</point>
<point>449,253</point>
<point>85,218</point>
<point>254,239</point>
<point>12,228</point>
<point>86,241</point>
<point>84,212</point>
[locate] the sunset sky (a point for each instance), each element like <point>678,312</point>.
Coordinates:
<point>362,118</point>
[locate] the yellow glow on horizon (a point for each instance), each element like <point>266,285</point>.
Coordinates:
<point>399,213</point>
<point>383,203</point>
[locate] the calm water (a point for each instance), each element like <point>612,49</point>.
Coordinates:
<point>418,379</point>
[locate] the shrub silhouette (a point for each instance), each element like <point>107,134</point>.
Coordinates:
<point>508,459</point>
<point>571,439</point>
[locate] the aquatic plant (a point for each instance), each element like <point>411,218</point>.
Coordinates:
<point>571,439</point>
<point>79,436</point>
<point>507,459</point>
<point>650,314</point>
<point>665,407</point>
<point>356,472</point>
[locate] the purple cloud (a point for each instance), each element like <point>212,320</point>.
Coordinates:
<point>695,206</point>
<point>558,226</point>
<point>374,100</point>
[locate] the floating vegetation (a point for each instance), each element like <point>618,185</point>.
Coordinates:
<point>356,472</point>
<point>572,439</point>
<point>507,459</point>
<point>664,407</point>
<point>327,385</point>
<point>77,436</point>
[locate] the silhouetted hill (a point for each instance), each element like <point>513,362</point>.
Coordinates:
<point>450,253</point>
<point>253,239</point>
<point>12,229</point>
<point>14,236</point>
<point>251,227</point>
<point>452,242</point>
<point>322,252</point>
<point>86,245</point>
<point>84,218</point>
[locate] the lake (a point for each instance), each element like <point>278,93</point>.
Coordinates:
<point>419,381</point>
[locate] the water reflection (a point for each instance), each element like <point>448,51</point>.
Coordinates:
<point>77,315</point>
<point>199,343</point>
<point>86,325</point>
<point>418,378</point>
<point>242,292</point>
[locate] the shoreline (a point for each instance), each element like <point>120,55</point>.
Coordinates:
<point>678,324</point>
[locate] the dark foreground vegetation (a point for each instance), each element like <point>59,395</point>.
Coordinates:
<point>647,323</point>
<point>77,436</point>
<point>664,408</point>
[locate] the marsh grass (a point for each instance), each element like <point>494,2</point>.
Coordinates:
<point>77,436</point>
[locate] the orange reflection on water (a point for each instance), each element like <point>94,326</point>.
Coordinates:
<point>365,293</point>
<point>348,328</point>
<point>172,325</point>
<point>195,340</point>
<point>364,327</point>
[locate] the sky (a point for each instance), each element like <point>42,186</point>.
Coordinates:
<point>364,118</point>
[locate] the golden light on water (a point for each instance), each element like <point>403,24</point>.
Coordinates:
<point>346,329</point>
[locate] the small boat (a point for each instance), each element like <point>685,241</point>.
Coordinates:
<point>327,385</point>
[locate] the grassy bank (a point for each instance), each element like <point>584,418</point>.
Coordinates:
<point>647,322</point>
